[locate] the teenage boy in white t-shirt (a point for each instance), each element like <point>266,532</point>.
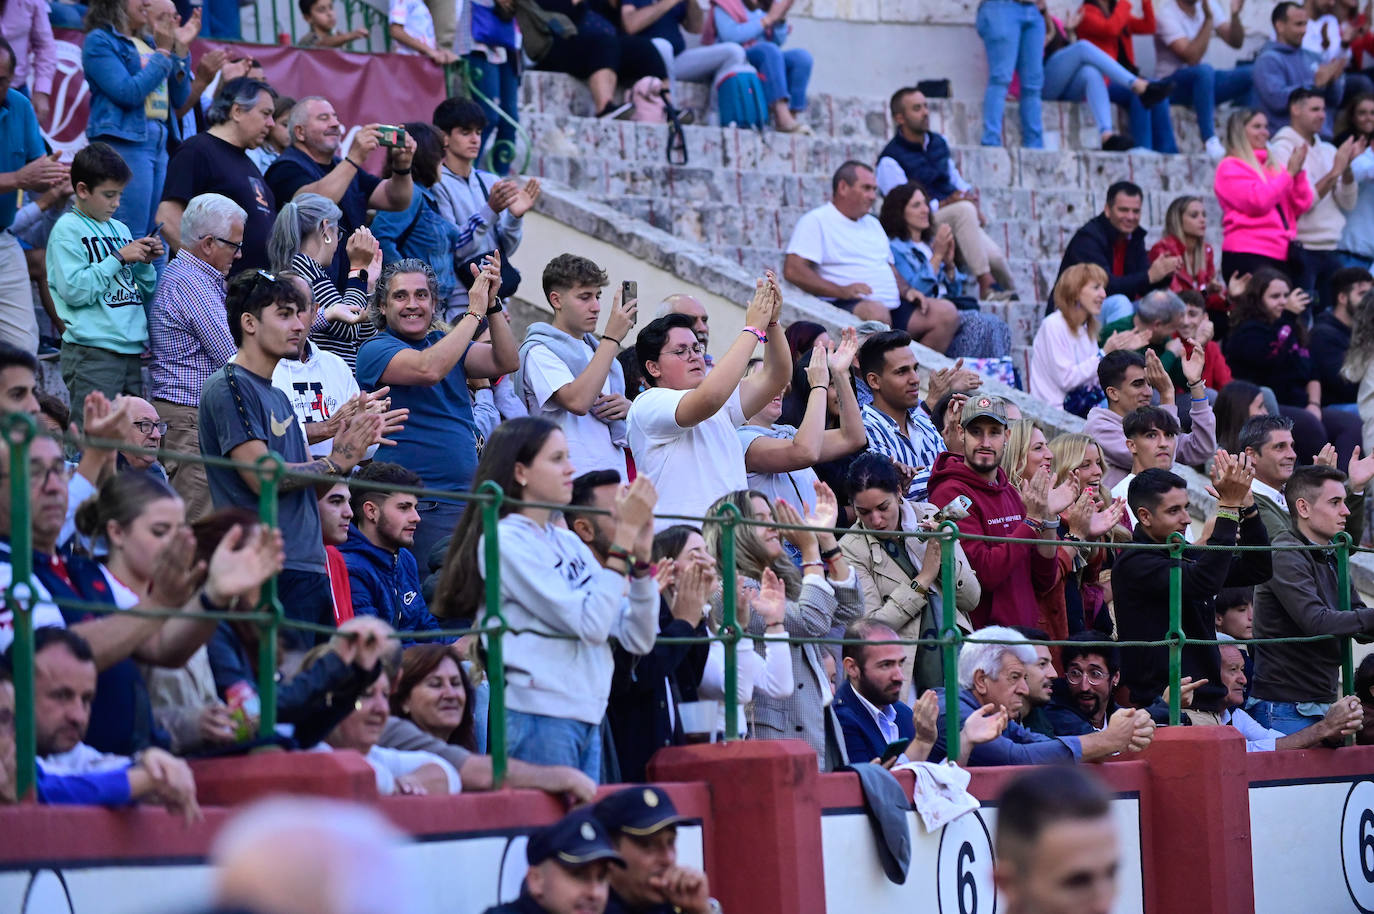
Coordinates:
<point>1183,31</point>
<point>570,377</point>
<point>682,429</point>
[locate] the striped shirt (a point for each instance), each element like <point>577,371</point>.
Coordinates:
<point>918,451</point>
<point>338,337</point>
<point>188,330</point>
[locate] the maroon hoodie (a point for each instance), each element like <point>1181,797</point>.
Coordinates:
<point>1010,573</point>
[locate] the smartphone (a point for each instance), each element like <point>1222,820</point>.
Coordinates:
<point>893,750</point>
<point>629,291</point>
<point>388,135</point>
<point>157,230</point>
<point>957,509</point>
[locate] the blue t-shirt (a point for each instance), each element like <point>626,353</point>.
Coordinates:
<point>20,143</point>
<point>439,441</point>
<point>666,26</point>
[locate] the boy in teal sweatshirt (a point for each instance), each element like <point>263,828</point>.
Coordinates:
<point>99,277</point>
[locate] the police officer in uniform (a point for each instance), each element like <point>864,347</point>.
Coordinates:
<point>642,823</point>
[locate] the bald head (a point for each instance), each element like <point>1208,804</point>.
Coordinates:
<point>143,431</point>
<point>682,303</point>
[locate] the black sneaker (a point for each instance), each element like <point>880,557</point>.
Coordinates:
<point>1155,93</point>
<point>1117,143</point>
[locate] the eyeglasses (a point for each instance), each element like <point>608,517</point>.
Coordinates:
<point>687,352</point>
<point>146,426</point>
<point>236,245</point>
<point>1094,677</point>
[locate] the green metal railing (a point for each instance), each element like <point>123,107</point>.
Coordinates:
<point>20,431</point>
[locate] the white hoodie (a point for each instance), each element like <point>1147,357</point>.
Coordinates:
<point>316,387</point>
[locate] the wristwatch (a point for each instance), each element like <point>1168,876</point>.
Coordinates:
<point>358,274</point>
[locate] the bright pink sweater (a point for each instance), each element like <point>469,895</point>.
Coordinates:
<point>1250,222</point>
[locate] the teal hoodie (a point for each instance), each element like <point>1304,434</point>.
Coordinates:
<point>98,298</point>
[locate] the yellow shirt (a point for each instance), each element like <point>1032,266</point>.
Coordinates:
<point>157,105</point>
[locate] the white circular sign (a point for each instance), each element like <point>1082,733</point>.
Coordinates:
<point>1357,845</point>
<point>963,871</point>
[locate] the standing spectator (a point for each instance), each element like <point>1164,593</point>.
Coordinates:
<point>1357,238</point>
<point>1065,354</point>
<point>487,40</point>
<point>1197,328</point>
<point>1296,683</point>
<point>1151,436</point>
<point>1359,360</point>
<point>305,237</point>
<point>1013,36</point>
<point>1260,200</point>
<point>1086,592</point>
<point>135,92</point>
<point>1114,241</point>
<point>216,161</point>
<point>917,154</point>
<point>896,425</point>
<point>411,27</point>
<point>99,277</point>
<point>761,30</point>
<point>664,22</point>
<point>1185,239</point>
<point>239,419</point>
<point>1140,578</point>
<point>427,370</point>
<point>321,26</point>
<point>552,583</point>
<point>570,377</point>
<point>335,516</point>
<point>190,336</point>
<point>682,429</point>
<point>486,209</point>
<point>1284,65</point>
<point>314,165</point>
<point>1330,339</point>
<point>595,53</point>
<point>840,252</point>
<point>1110,25</point>
<point>25,164</point>
<point>1333,185</point>
<point>1268,442</point>
<point>1011,573</point>
<point>1235,404</point>
<point>1183,32</point>
<point>24,24</point>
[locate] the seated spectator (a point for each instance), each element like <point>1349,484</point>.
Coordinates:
<point>1236,403</point>
<point>1357,238</point>
<point>681,303</point>
<point>994,675</point>
<point>383,575</point>
<point>1012,38</point>
<point>554,717</point>
<point>1040,679</point>
<point>1330,338</point>
<point>99,278</point>
<point>682,430</point>
<point>316,164</point>
<point>825,592</point>
<point>322,26</point>
<point>1109,25</point>
<point>1183,32</point>
<point>919,155</point>
<point>643,824</point>
<point>1115,241</point>
<point>1235,619</point>
<point>1010,573</point>
<point>69,770</point>
<point>237,419</point>
<point>571,377</point>
<point>1344,717</point>
<point>896,425</point>
<point>1359,358</point>
<point>664,24</point>
<point>1156,318</point>
<point>1268,345</point>
<point>924,259</point>
<point>1065,354</point>
<point>569,861</point>
<point>399,772</point>
<point>487,41</point>
<point>1333,185</point>
<point>1268,442</point>
<point>1260,200</point>
<point>1152,438</point>
<point>1284,65</point>
<point>839,252</point>
<point>595,52</point>
<point>216,162</point>
<point>761,30</point>
<point>1185,238</point>
<point>411,27</point>
<point>1087,590</point>
<point>873,717</point>
<point>1295,683</point>
<point>779,458</point>
<point>427,369</point>
<point>1198,329</point>
<point>1085,700</point>
<point>432,711</point>
<point>900,575</point>
<point>1140,578</point>
<point>144,430</point>
<point>1127,379</point>
<point>336,515</point>
<point>305,238</point>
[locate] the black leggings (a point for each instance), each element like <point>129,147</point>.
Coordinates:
<point>630,56</point>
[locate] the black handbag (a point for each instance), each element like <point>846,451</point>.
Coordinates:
<point>1294,258</point>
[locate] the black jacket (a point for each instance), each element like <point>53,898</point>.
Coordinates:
<point>1140,581</point>
<point>1327,344</point>
<point>1093,244</point>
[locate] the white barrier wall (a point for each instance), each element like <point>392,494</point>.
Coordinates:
<point>1301,829</point>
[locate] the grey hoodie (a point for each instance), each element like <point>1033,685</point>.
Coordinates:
<point>1281,68</point>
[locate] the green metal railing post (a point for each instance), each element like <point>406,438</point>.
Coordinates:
<point>19,597</point>
<point>1176,544</point>
<point>496,663</point>
<point>729,516</point>
<point>1343,543</point>
<point>949,631</point>
<point>270,468</point>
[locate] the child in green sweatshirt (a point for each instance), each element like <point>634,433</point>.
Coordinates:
<point>99,277</point>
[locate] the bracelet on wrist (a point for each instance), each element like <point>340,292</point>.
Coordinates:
<point>820,565</point>
<point>496,308</point>
<point>1232,516</point>
<point>619,343</point>
<point>762,337</point>
<point>828,554</point>
<point>349,160</point>
<point>825,387</point>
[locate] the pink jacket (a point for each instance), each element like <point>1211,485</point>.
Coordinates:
<point>1250,222</point>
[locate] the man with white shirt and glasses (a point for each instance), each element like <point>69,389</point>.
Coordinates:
<point>1183,31</point>
<point>897,426</point>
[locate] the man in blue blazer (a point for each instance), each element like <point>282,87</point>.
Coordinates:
<point>870,715</point>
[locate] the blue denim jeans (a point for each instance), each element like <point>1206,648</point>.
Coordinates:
<point>542,740</point>
<point>1289,717</point>
<point>1076,73</point>
<point>1014,37</point>
<point>1151,128</point>
<point>437,520</point>
<point>499,82</point>
<point>1202,88</point>
<point>148,162</point>
<point>785,73</point>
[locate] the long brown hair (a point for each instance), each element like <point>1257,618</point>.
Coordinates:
<point>1194,252</point>
<point>417,662</point>
<point>751,557</point>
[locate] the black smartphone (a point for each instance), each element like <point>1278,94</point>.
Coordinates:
<point>894,749</point>
<point>157,230</point>
<point>629,291</point>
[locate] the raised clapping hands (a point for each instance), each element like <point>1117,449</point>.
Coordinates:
<point>818,368</point>
<point>956,378</point>
<point>842,356</point>
<point>1044,501</point>
<point>1231,478</point>
<point>633,515</point>
<point>770,603</point>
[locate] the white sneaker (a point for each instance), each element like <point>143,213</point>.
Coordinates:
<point>1215,149</point>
